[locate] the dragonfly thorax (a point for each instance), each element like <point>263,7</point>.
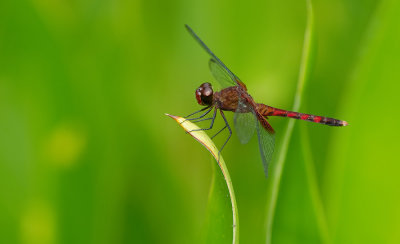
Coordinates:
<point>204,94</point>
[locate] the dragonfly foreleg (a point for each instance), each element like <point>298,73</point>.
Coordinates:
<point>212,122</point>
<point>201,116</point>
<point>201,110</point>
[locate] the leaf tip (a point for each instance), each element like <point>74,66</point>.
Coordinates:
<point>172,116</point>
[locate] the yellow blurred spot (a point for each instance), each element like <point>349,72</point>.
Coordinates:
<point>38,225</point>
<point>65,144</point>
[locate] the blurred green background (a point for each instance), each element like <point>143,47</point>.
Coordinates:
<point>88,156</point>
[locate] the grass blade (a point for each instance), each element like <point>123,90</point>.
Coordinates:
<point>305,68</point>
<point>217,200</point>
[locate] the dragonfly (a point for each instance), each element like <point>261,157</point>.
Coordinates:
<point>249,116</point>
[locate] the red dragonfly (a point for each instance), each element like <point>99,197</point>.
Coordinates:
<point>249,116</point>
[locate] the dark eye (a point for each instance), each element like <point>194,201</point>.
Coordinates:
<point>207,95</point>
<point>204,94</point>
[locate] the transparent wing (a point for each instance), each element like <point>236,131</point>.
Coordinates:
<point>233,78</point>
<point>220,74</point>
<point>266,142</point>
<point>245,122</point>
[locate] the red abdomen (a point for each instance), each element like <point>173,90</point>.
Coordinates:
<point>271,111</point>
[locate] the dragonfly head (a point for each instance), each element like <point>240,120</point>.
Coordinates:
<point>204,94</point>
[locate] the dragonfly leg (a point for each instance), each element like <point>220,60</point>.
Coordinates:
<point>201,116</point>
<point>201,110</point>
<point>201,120</point>
<point>219,132</point>
<point>230,131</point>
<point>212,122</point>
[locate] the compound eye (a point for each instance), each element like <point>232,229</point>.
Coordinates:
<point>204,94</point>
<point>207,95</point>
<point>199,96</point>
<point>207,91</point>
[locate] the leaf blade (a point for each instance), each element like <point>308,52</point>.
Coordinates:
<point>206,141</point>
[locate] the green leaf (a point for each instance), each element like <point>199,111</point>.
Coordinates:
<point>305,68</point>
<point>222,222</point>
